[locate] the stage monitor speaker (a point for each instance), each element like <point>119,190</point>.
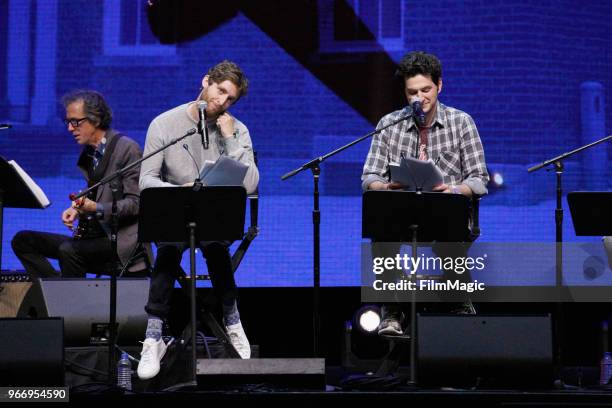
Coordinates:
<point>84,305</point>
<point>11,296</point>
<point>32,352</point>
<point>488,350</point>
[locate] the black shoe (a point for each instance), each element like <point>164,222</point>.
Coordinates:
<point>466,308</point>
<point>390,326</point>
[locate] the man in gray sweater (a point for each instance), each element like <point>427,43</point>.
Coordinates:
<point>222,86</point>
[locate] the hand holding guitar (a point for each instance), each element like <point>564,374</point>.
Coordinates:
<point>84,205</point>
<point>79,209</point>
<point>68,216</point>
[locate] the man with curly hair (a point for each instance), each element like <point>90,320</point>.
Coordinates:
<point>440,133</point>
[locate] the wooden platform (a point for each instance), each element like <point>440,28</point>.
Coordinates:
<point>307,373</point>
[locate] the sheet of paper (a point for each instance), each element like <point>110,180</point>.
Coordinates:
<point>224,172</point>
<point>416,174</point>
<point>34,188</point>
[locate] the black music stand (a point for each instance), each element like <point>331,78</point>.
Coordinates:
<point>403,216</point>
<point>591,212</point>
<point>184,214</point>
<point>591,217</point>
<point>14,193</point>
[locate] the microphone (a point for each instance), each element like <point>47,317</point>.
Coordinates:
<point>197,183</point>
<point>4,126</point>
<point>202,129</point>
<point>417,108</point>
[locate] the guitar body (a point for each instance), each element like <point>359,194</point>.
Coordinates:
<point>88,226</point>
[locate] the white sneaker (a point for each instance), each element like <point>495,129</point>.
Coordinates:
<point>239,340</point>
<point>150,356</point>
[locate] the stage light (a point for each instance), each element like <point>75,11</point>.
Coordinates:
<point>367,318</point>
<point>363,348</point>
<point>362,351</point>
<point>497,179</point>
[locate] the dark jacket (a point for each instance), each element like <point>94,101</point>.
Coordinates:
<point>125,152</point>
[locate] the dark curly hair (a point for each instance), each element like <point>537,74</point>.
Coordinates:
<point>419,62</point>
<point>96,109</point>
<point>229,71</point>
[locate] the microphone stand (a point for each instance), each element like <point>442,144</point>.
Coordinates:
<point>197,184</point>
<point>114,180</point>
<point>3,126</point>
<point>314,166</point>
<point>557,163</point>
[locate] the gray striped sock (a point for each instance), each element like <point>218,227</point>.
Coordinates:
<point>231,315</point>
<point>154,328</point>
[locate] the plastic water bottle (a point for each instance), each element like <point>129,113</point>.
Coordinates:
<point>124,372</point>
<point>606,368</point>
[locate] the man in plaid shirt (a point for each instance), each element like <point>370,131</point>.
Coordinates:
<point>445,135</point>
<point>448,137</point>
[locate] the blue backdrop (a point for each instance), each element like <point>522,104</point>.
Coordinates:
<point>534,75</point>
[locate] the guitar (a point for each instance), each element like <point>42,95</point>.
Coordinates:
<point>88,225</point>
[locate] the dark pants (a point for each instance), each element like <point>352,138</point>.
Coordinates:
<point>167,270</point>
<point>76,257</point>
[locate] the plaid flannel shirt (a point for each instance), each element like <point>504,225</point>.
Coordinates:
<point>453,144</point>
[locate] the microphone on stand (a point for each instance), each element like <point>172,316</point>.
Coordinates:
<point>406,113</point>
<point>202,129</point>
<point>417,107</point>
<point>197,184</point>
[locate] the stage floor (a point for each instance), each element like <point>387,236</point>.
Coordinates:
<point>266,394</point>
<point>305,382</point>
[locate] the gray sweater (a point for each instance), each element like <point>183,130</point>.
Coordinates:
<point>174,167</point>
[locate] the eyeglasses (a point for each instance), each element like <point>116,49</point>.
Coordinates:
<point>74,122</point>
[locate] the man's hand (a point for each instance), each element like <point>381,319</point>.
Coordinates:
<point>442,188</point>
<point>226,124</point>
<point>84,205</point>
<point>394,185</point>
<point>68,217</point>
<point>458,189</point>
<point>379,185</point>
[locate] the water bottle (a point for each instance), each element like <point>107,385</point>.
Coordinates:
<point>606,368</point>
<point>124,372</point>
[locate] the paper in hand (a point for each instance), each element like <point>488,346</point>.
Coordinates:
<point>224,172</point>
<point>416,174</point>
